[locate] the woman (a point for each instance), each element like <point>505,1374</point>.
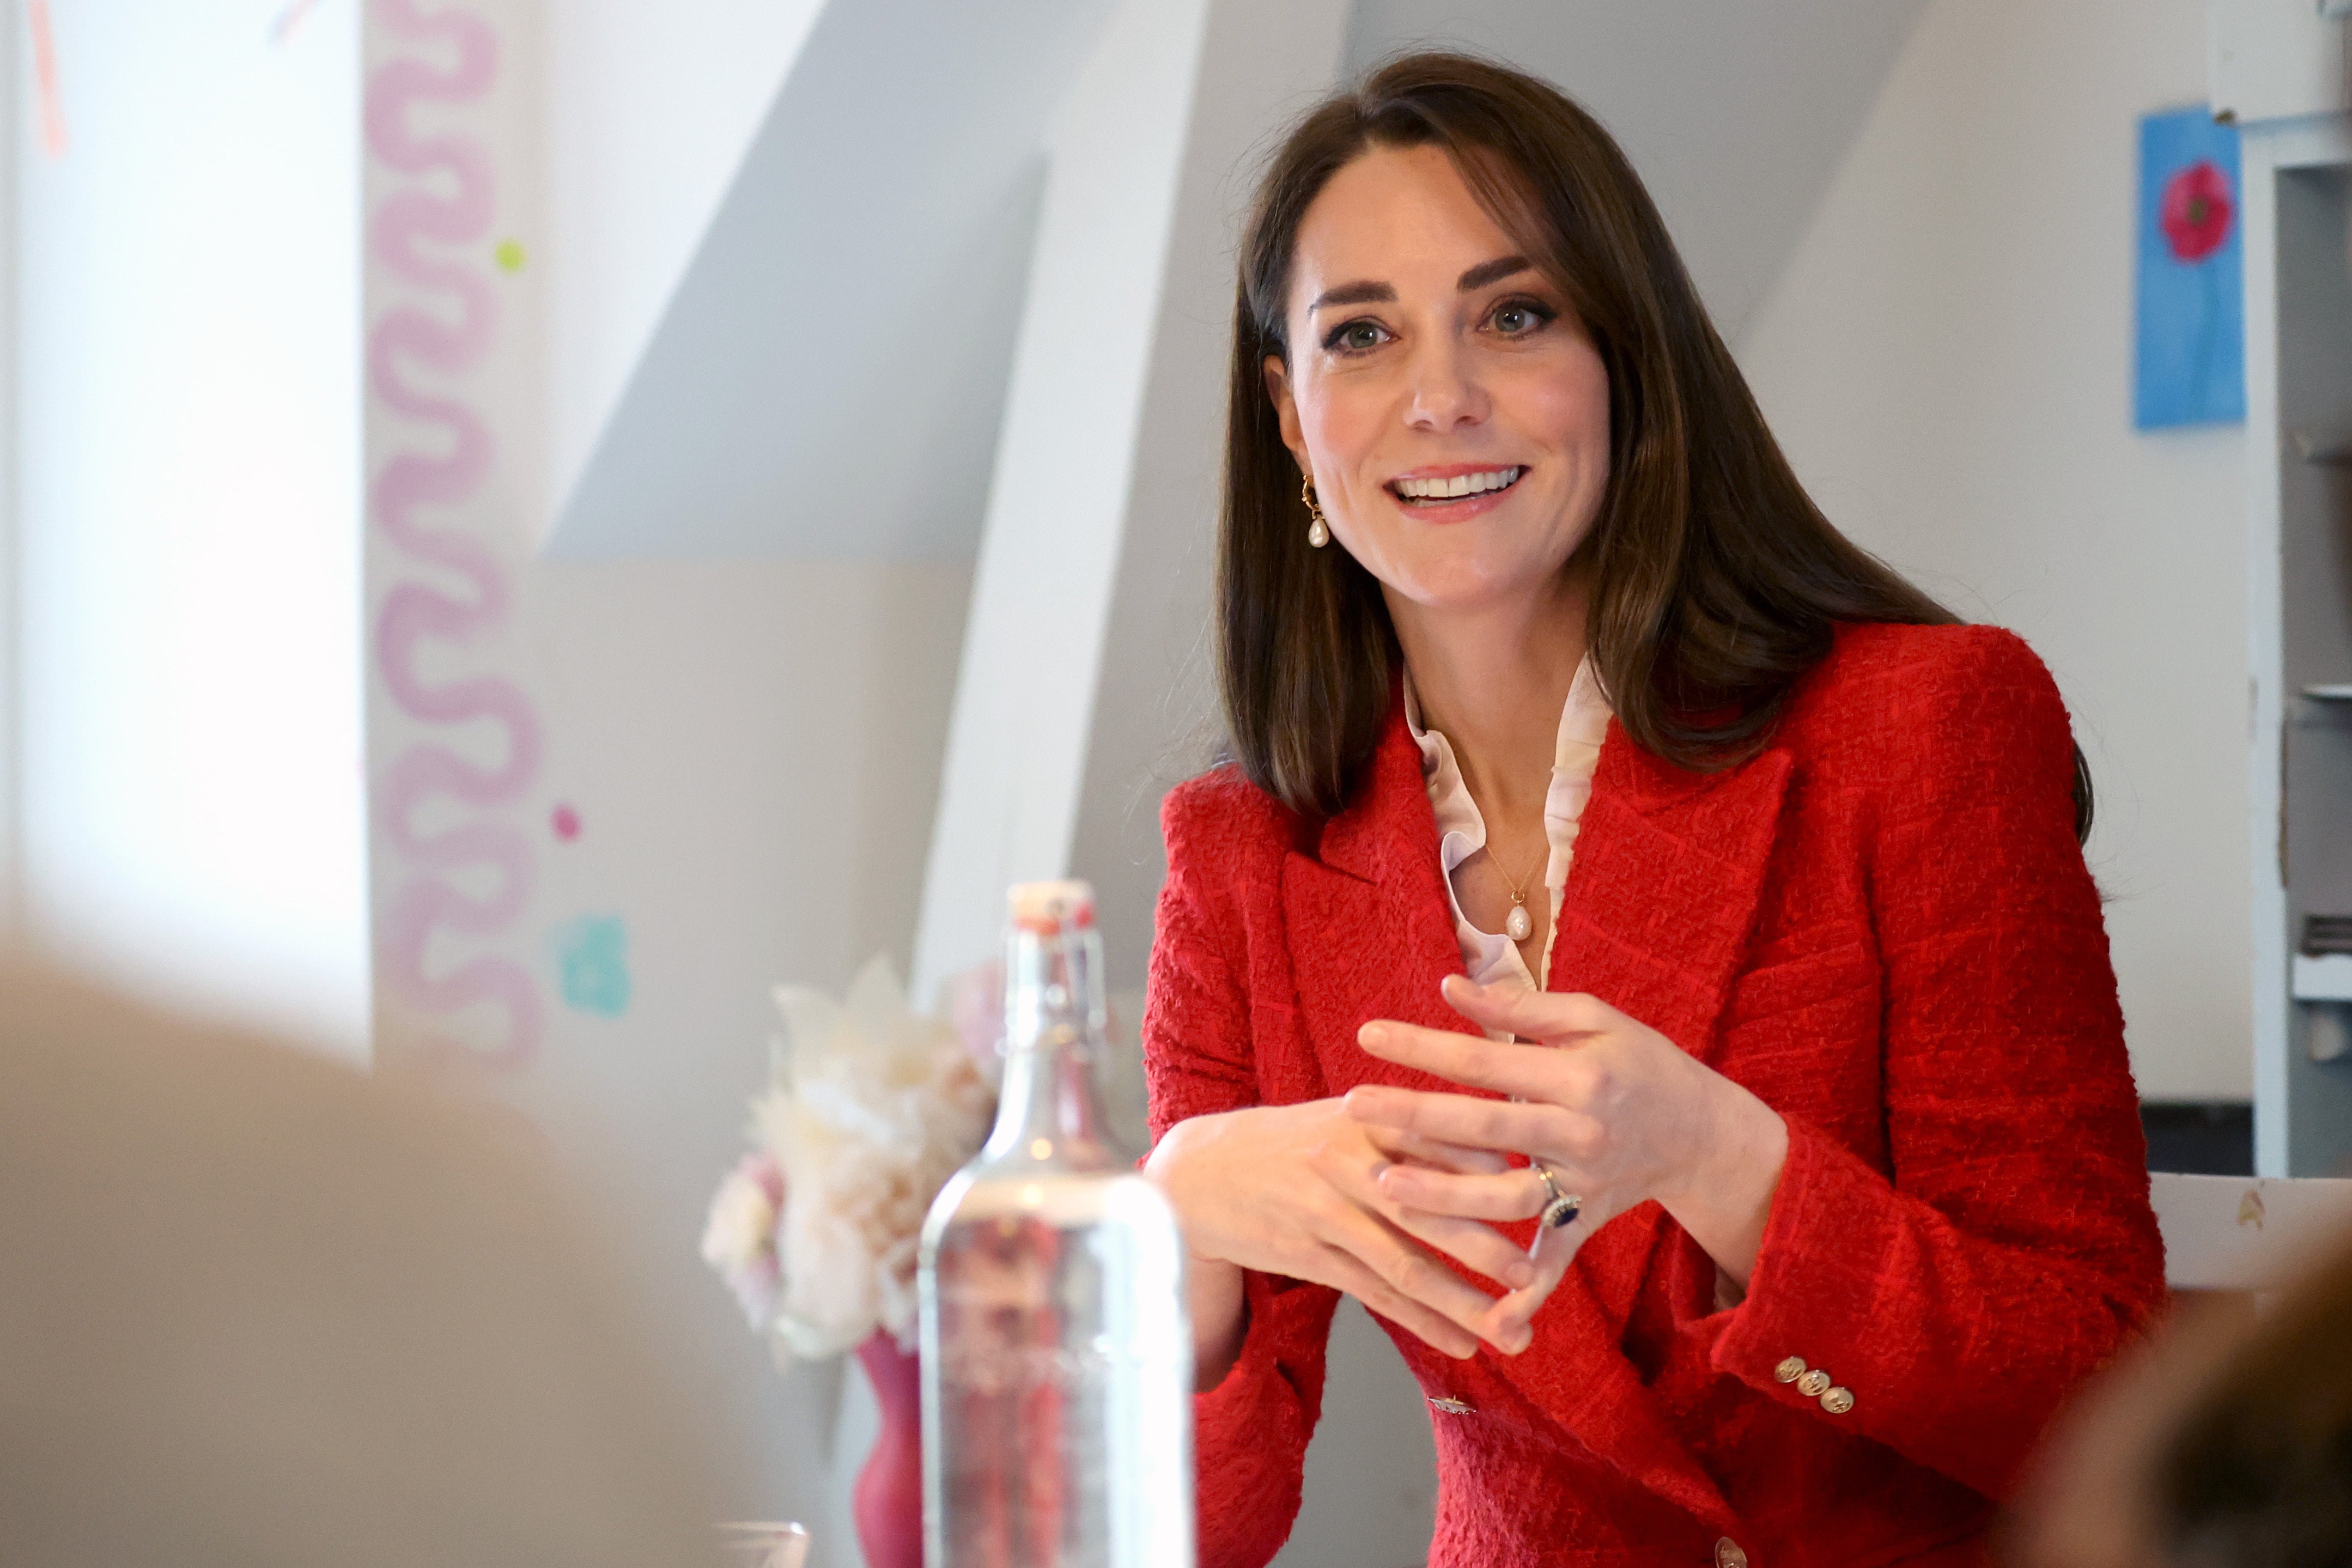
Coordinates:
<point>1774,1224</point>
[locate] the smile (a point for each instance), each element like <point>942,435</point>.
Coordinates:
<point>1454,486</point>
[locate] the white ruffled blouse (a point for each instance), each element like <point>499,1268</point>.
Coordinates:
<point>1461,831</point>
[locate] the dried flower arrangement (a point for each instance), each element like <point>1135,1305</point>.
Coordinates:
<point>870,1108</point>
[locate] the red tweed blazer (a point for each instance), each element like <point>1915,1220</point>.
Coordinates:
<point>1883,926</point>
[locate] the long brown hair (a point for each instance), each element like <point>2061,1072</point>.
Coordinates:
<point>1717,582</point>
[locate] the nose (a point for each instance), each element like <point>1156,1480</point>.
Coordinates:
<point>1444,389</point>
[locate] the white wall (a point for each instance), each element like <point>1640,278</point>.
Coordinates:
<point>1036,643</point>
<point>648,109</point>
<point>12,881</point>
<point>1948,358</point>
<point>753,752</point>
<point>828,376</point>
<point>189,516</point>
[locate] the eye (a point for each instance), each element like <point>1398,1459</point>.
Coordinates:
<point>1359,336</point>
<point>1517,318</point>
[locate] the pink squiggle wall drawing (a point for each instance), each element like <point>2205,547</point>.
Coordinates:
<point>449,202</point>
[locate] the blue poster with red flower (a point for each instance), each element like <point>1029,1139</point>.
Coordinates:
<point>2191,366</point>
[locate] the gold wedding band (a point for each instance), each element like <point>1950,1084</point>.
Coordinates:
<point>1563,1208</point>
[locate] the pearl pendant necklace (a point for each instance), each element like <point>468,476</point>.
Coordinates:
<point>1518,925</point>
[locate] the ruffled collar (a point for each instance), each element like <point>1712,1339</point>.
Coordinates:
<point>1461,830</point>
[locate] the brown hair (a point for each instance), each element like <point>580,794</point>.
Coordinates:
<point>1717,582</point>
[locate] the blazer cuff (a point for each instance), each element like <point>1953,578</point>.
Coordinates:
<point>1258,1406</point>
<point>1250,1431</point>
<point>1815,1300</point>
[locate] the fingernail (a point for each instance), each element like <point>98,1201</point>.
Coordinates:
<point>1371,1035</point>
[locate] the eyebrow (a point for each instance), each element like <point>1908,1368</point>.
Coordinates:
<point>1353,294</point>
<point>1493,271</point>
<point>1371,293</point>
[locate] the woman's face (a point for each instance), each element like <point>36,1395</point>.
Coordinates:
<point>1440,392</point>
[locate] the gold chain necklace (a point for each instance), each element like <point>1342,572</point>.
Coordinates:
<point>1520,924</point>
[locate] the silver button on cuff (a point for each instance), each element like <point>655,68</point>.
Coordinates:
<point>1728,1554</point>
<point>1451,1407</point>
<point>1815,1383</point>
<point>1838,1401</point>
<point>1790,1369</point>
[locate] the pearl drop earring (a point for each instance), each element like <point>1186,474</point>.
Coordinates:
<point>1319,533</point>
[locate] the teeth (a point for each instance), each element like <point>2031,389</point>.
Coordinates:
<point>1460,485</point>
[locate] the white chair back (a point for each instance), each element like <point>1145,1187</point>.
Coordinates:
<point>2247,1232</point>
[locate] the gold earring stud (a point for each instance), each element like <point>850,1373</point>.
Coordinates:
<point>1319,533</point>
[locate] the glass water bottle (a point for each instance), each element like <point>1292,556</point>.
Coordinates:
<point>1056,1355</point>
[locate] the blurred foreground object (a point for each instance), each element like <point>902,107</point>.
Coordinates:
<point>1056,1355</point>
<point>2227,1444</point>
<point>260,1310</point>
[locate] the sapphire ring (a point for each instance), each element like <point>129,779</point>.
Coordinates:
<point>1563,1208</point>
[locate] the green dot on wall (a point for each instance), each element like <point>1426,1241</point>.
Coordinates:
<point>510,254</point>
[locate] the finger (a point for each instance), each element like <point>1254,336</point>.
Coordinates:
<point>1455,1157</point>
<point>1406,1267</point>
<point>1535,1014</point>
<point>1549,1131</point>
<point>1512,1194</point>
<point>1555,1248</point>
<point>1346,1273</point>
<point>1530,1071</point>
<point>1475,1246</point>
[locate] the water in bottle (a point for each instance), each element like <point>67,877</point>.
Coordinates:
<point>1056,1356</point>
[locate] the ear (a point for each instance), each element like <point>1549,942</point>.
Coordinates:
<point>1285,411</point>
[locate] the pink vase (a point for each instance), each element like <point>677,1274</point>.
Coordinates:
<point>887,1500</point>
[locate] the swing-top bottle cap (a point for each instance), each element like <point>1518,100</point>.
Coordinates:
<point>1047,909</point>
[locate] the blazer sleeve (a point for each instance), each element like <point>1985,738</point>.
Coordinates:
<point>1250,1432</point>
<point>1960,1296</point>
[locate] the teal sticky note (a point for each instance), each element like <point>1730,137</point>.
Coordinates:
<point>592,956</point>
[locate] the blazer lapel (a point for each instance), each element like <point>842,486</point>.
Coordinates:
<point>1369,924</point>
<point>1662,895</point>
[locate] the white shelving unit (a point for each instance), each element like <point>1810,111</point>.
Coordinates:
<point>2278,69</point>
<point>2327,978</point>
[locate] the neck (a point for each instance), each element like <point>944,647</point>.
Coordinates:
<point>1493,681</point>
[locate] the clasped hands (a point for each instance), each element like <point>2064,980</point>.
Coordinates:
<point>1369,1193</point>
